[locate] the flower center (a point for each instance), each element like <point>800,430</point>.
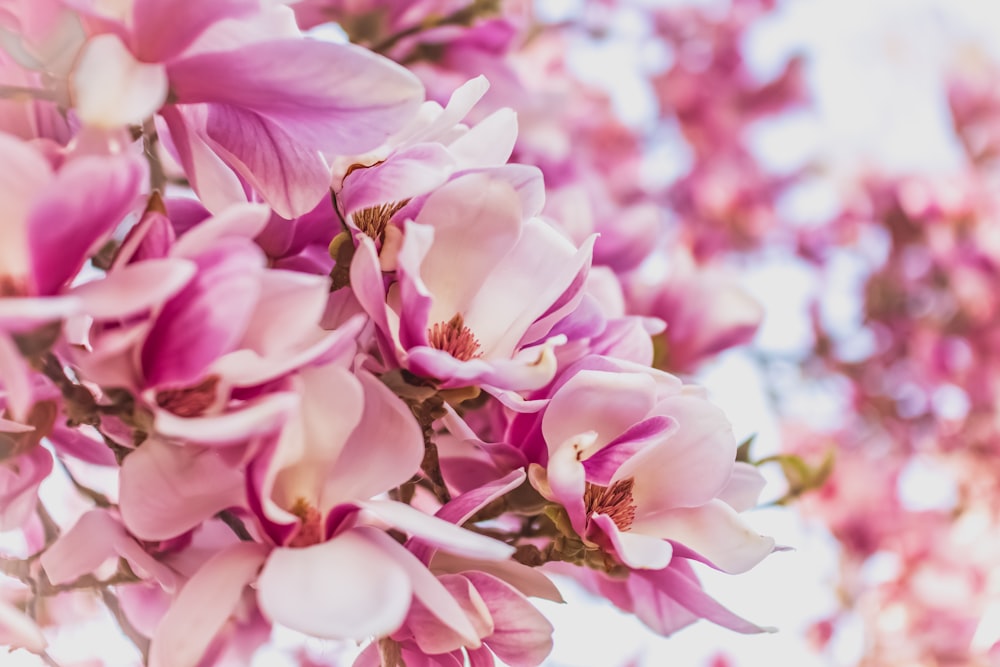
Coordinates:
<point>189,401</point>
<point>372,220</point>
<point>615,501</point>
<point>454,338</point>
<point>310,530</point>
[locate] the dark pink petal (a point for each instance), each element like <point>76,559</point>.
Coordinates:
<point>331,97</point>
<point>602,466</point>
<point>208,317</point>
<point>204,605</point>
<point>345,588</point>
<point>89,197</point>
<point>76,443</point>
<point>458,510</point>
<point>162,29</point>
<point>166,490</point>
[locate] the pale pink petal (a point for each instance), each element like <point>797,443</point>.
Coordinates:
<point>257,417</point>
<point>18,630</point>
<point>635,549</point>
<point>434,637</point>
<point>15,377</point>
<point>204,605</point>
<point>529,580</point>
<point>697,459</point>
<point>522,288</point>
<point>489,143</point>
<point>522,636</point>
<point>94,538</point>
<point>427,588</point>
<point>441,534</point>
<point>345,588</point>
<point>134,288</point>
<point>25,175</point>
<point>606,403</point>
<point>459,105</point>
<point>240,220</point>
<point>215,183</point>
<point>531,368</point>
<point>19,480</point>
<point>288,310</point>
<point>714,530</point>
<point>742,491</point>
<point>604,464</point>
<point>464,256</point>
<point>166,490</point>
<point>112,89</point>
<point>387,433</point>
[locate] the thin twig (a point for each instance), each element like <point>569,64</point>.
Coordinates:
<point>236,524</point>
<point>141,641</point>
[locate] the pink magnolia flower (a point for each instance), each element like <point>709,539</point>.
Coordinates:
<point>467,308</point>
<point>204,359</point>
<point>261,100</point>
<point>643,466</point>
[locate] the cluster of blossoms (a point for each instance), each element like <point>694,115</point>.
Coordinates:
<point>919,377</point>
<point>306,348</point>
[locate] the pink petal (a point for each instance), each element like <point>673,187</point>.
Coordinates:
<point>427,588</point>
<point>686,592</point>
<point>204,605</point>
<point>489,143</point>
<point>134,288</point>
<point>214,182</point>
<point>388,433</point>
<point>19,481</point>
<point>636,550</point>
<point>166,490</point>
<point>18,630</point>
<point>522,636</point>
<point>606,403</point>
<point>603,465</point>
<point>332,97</point>
<point>25,175</point>
<point>207,318</point>
<point>162,29</point>
<point>91,196</point>
<point>257,417</point>
<point>441,534</point>
<point>410,172</point>
<point>434,637</point>
<point>693,465</point>
<point>464,256</point>
<point>23,314</point>
<point>291,177</point>
<point>238,220</point>
<point>742,491</point>
<point>15,376</point>
<point>345,588</point>
<point>529,580</point>
<point>94,538</point>
<point>714,530</point>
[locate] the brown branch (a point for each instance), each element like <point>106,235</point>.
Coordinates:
<point>236,524</point>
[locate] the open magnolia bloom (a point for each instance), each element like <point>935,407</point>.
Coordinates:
<point>329,569</point>
<point>478,288</point>
<point>645,466</point>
